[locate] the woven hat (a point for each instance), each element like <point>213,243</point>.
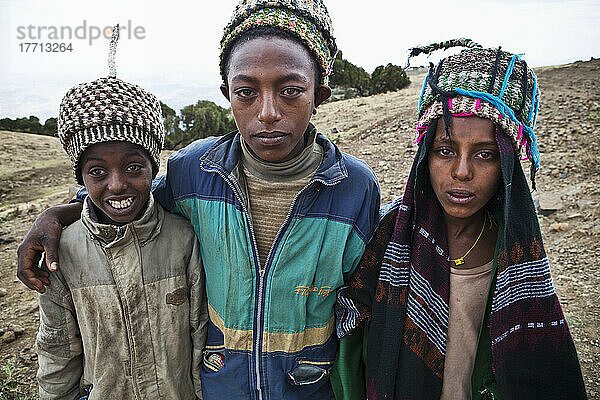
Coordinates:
<point>306,19</point>
<point>488,83</point>
<point>109,109</point>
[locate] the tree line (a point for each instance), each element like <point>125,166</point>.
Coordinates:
<point>206,118</point>
<point>354,79</point>
<point>29,125</point>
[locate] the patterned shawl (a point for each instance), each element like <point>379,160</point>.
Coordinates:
<point>406,300</point>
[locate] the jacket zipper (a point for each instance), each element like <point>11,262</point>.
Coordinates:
<point>118,231</point>
<point>237,192</point>
<point>269,256</point>
<point>261,270</point>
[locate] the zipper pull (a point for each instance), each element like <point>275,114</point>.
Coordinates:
<point>487,395</point>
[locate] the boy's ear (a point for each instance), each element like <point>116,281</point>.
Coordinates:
<point>225,91</point>
<point>322,93</point>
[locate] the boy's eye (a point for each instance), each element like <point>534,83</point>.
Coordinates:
<point>244,92</point>
<point>96,172</point>
<point>134,167</point>
<point>291,91</point>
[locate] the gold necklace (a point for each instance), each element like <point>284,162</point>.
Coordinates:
<point>461,260</point>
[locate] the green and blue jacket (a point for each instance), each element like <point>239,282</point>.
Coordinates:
<point>271,332</point>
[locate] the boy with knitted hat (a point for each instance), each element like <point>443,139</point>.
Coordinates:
<point>125,316</point>
<point>281,214</point>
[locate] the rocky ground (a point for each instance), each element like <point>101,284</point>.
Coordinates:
<point>34,174</point>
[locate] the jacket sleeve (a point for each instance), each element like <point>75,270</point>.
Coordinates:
<point>161,189</point>
<point>58,344</point>
<point>353,311</point>
<point>363,230</point>
<point>198,313</point>
<point>354,300</point>
<point>166,188</point>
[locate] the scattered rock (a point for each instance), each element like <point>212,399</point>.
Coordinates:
<point>32,307</point>
<point>3,292</point>
<point>548,203</point>
<point>580,232</point>
<point>8,337</point>
<point>559,227</point>
<point>6,239</point>
<point>18,330</point>
<point>585,204</point>
<point>577,215</point>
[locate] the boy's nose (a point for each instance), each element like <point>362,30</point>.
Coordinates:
<point>269,112</point>
<point>117,183</point>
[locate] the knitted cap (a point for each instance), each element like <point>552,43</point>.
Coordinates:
<point>488,83</point>
<point>109,109</point>
<point>306,19</point>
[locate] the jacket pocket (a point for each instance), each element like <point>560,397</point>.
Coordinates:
<point>309,372</point>
<point>213,359</point>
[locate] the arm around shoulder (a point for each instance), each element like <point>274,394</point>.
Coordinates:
<point>43,237</point>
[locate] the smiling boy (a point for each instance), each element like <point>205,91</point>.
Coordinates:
<point>125,316</point>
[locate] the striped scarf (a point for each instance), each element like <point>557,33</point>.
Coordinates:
<point>406,300</point>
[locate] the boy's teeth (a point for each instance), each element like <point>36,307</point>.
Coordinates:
<point>121,204</point>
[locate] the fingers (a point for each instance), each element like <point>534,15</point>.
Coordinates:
<point>28,271</point>
<point>32,281</point>
<point>50,242</point>
<point>51,259</point>
<point>44,236</point>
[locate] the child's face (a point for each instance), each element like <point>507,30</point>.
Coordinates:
<point>465,172</point>
<point>118,178</point>
<point>272,89</point>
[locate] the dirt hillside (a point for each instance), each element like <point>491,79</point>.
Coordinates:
<point>35,174</point>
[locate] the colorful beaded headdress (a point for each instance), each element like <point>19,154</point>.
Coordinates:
<point>306,19</point>
<point>488,83</point>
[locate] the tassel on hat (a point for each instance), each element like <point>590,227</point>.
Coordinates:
<point>109,109</point>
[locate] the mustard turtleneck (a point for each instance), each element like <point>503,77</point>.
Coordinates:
<point>272,187</point>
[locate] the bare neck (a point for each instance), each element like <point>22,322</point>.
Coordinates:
<point>462,234</point>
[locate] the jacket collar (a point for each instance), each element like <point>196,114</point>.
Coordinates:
<point>224,156</point>
<point>146,228</point>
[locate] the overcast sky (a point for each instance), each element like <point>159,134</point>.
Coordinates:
<point>176,52</point>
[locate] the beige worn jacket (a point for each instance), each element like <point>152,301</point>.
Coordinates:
<point>126,312</point>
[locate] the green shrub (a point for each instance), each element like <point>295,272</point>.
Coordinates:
<point>388,78</point>
<point>197,121</point>
<point>347,75</point>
